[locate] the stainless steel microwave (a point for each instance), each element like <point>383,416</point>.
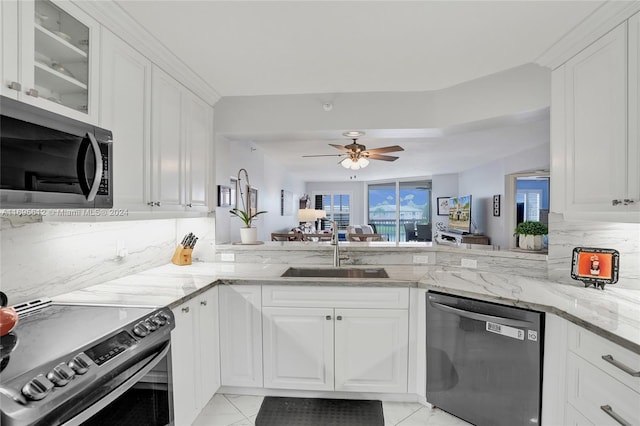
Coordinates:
<point>51,161</point>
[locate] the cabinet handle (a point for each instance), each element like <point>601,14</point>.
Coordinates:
<point>203,302</point>
<point>621,366</point>
<point>150,203</point>
<point>607,409</point>
<point>14,85</point>
<point>328,317</point>
<point>188,205</point>
<point>157,203</point>
<point>339,317</point>
<point>32,92</point>
<point>628,201</point>
<point>185,310</point>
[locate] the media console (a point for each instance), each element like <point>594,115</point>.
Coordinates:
<point>455,238</point>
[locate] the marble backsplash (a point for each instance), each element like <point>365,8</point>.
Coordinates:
<point>564,235</point>
<point>50,258</point>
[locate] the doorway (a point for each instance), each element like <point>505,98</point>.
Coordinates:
<point>527,199</point>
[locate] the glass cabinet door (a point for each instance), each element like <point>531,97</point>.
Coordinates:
<point>61,57</point>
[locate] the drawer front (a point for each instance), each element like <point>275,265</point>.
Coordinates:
<point>591,392</point>
<point>592,348</point>
<point>336,297</point>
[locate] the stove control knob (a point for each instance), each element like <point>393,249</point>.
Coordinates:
<point>61,374</point>
<point>152,326</point>
<point>80,363</point>
<point>37,388</point>
<point>158,320</point>
<point>164,315</point>
<point>140,330</point>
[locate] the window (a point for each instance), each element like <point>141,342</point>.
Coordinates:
<point>338,208</point>
<point>397,208</point>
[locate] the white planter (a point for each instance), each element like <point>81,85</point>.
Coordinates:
<point>530,242</point>
<point>248,235</point>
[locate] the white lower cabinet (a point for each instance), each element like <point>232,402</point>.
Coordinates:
<point>331,347</point>
<point>298,348</point>
<point>241,335</point>
<point>602,383</point>
<point>194,356</point>
<point>371,349</point>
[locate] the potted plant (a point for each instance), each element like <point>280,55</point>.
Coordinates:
<point>248,234</point>
<point>530,235</point>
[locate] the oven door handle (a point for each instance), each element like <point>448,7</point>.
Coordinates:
<point>480,317</point>
<point>116,393</point>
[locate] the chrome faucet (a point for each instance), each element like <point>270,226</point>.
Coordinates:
<point>336,245</point>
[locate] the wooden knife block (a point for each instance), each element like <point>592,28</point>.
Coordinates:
<point>182,256</point>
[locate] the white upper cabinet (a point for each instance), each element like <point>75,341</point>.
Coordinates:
<point>50,57</point>
<point>181,129</point>
<point>125,110</point>
<point>594,133</point>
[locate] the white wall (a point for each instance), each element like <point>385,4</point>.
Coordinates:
<point>520,89</point>
<point>489,179</point>
<point>264,174</point>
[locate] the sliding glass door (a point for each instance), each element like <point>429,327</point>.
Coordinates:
<point>401,210</point>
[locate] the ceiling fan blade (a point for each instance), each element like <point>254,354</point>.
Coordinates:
<point>325,155</point>
<point>340,147</point>
<point>393,148</point>
<point>381,157</point>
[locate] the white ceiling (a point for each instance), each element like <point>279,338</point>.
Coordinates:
<point>244,48</point>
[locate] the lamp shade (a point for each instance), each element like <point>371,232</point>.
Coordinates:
<point>306,215</point>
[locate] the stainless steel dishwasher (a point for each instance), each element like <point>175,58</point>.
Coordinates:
<point>484,360</point>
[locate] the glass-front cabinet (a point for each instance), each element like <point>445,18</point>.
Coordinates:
<point>49,59</point>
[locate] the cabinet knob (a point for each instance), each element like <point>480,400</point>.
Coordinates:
<point>14,85</point>
<point>185,310</point>
<point>339,317</point>
<point>188,205</point>
<point>32,92</point>
<point>616,202</point>
<point>203,302</point>
<point>628,201</point>
<point>328,317</point>
<point>157,203</point>
<point>150,203</point>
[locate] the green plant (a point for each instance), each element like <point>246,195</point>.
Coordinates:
<point>531,228</point>
<point>245,216</point>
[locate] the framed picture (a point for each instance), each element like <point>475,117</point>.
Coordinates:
<point>595,266</point>
<point>224,196</point>
<point>496,205</point>
<point>233,183</point>
<point>286,203</point>
<point>254,200</point>
<point>443,206</point>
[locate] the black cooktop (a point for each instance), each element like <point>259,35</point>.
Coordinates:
<point>59,330</point>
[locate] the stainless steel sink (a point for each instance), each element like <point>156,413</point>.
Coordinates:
<point>336,272</point>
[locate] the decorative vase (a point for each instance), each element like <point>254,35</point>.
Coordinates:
<point>530,242</point>
<point>248,235</point>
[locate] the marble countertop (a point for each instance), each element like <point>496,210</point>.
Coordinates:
<point>613,313</point>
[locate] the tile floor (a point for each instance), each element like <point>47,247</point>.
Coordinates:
<point>242,410</point>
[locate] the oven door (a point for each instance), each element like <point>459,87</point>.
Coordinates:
<point>145,398</point>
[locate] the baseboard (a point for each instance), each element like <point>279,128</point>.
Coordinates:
<point>392,397</point>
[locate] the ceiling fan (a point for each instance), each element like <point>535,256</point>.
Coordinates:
<point>357,155</point>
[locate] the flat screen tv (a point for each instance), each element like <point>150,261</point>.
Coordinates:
<point>460,214</point>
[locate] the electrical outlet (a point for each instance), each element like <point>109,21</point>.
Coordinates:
<point>469,263</point>
<point>227,257</point>
<point>420,259</point>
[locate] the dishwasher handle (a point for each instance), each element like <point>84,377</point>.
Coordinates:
<point>480,317</point>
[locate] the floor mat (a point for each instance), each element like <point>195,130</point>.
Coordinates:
<point>279,411</point>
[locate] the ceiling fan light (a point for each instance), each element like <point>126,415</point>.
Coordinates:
<point>353,134</point>
<point>347,162</point>
<point>363,162</point>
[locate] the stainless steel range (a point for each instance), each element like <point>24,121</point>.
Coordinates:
<point>87,365</point>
